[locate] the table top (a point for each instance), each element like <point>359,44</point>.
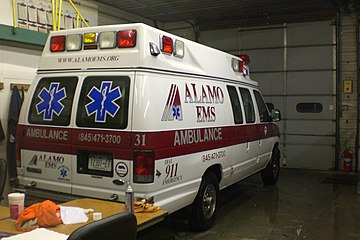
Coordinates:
<point>107,208</point>
<point>4,212</point>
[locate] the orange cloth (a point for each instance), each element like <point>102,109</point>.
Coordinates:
<point>39,215</point>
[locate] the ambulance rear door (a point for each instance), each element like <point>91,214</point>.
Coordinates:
<point>101,138</point>
<point>44,133</point>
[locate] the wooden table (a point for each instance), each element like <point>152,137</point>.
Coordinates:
<point>4,212</point>
<point>107,208</point>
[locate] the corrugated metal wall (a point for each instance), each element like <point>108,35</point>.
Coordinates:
<point>295,67</point>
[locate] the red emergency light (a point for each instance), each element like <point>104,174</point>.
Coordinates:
<point>245,58</point>
<point>243,65</point>
<point>167,45</point>
<point>126,38</point>
<point>57,43</point>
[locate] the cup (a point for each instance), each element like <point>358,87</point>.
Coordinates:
<point>16,204</point>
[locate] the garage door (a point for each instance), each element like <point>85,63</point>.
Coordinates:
<point>295,67</point>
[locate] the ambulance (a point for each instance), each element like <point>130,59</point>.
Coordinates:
<point>130,104</point>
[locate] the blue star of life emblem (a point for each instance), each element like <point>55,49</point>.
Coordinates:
<point>51,101</point>
<point>103,101</point>
<point>176,112</point>
<point>63,172</point>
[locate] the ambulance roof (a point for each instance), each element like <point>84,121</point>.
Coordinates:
<point>66,50</point>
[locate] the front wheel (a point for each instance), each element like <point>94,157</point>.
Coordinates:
<point>205,204</point>
<point>270,174</point>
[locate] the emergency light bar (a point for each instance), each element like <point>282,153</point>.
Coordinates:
<point>113,39</point>
<point>93,40</point>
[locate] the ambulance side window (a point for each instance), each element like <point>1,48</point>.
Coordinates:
<point>52,101</point>
<point>104,102</point>
<point>248,105</point>
<point>263,111</point>
<point>235,104</point>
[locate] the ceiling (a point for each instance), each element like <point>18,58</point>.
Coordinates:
<point>215,14</point>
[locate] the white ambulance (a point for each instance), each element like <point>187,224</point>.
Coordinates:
<point>131,104</point>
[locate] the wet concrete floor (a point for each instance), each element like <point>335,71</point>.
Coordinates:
<point>300,206</point>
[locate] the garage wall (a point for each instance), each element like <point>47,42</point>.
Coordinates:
<point>348,72</point>
<point>295,67</point>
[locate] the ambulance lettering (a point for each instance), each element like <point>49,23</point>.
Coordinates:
<point>204,94</point>
<point>190,136</point>
<point>208,94</point>
<point>205,114</point>
<point>103,101</point>
<point>173,108</point>
<point>51,101</point>
<point>47,134</point>
<point>111,58</point>
<point>51,161</point>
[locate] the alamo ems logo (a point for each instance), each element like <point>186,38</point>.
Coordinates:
<point>203,98</point>
<point>173,109</point>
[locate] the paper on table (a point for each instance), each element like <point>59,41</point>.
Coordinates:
<point>39,233</point>
<point>71,215</point>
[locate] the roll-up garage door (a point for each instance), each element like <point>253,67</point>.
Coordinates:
<point>295,67</point>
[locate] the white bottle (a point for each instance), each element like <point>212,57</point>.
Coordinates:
<point>129,199</point>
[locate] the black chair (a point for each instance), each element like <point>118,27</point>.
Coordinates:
<point>2,177</point>
<point>121,226</point>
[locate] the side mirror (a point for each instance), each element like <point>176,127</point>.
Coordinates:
<point>276,115</point>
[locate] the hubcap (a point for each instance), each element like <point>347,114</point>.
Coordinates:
<point>209,201</point>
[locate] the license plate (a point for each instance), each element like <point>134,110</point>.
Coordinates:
<point>100,162</point>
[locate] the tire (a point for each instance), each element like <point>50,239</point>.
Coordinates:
<point>205,205</point>
<point>270,174</point>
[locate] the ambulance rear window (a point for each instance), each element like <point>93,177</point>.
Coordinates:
<point>103,102</point>
<point>52,101</point>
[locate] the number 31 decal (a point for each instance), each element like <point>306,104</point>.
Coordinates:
<point>140,140</point>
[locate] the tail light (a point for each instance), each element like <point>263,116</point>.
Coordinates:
<point>19,135</point>
<point>144,165</point>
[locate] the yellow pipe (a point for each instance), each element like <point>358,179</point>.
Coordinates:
<point>77,20</point>
<point>78,12</point>
<point>14,13</point>
<point>56,13</point>
<point>53,14</point>
<point>59,20</point>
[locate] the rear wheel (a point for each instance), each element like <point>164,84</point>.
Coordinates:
<point>270,174</point>
<point>205,204</point>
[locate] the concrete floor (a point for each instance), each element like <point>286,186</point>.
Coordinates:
<point>300,206</point>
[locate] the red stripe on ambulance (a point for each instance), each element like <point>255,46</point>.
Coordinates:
<point>165,143</point>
